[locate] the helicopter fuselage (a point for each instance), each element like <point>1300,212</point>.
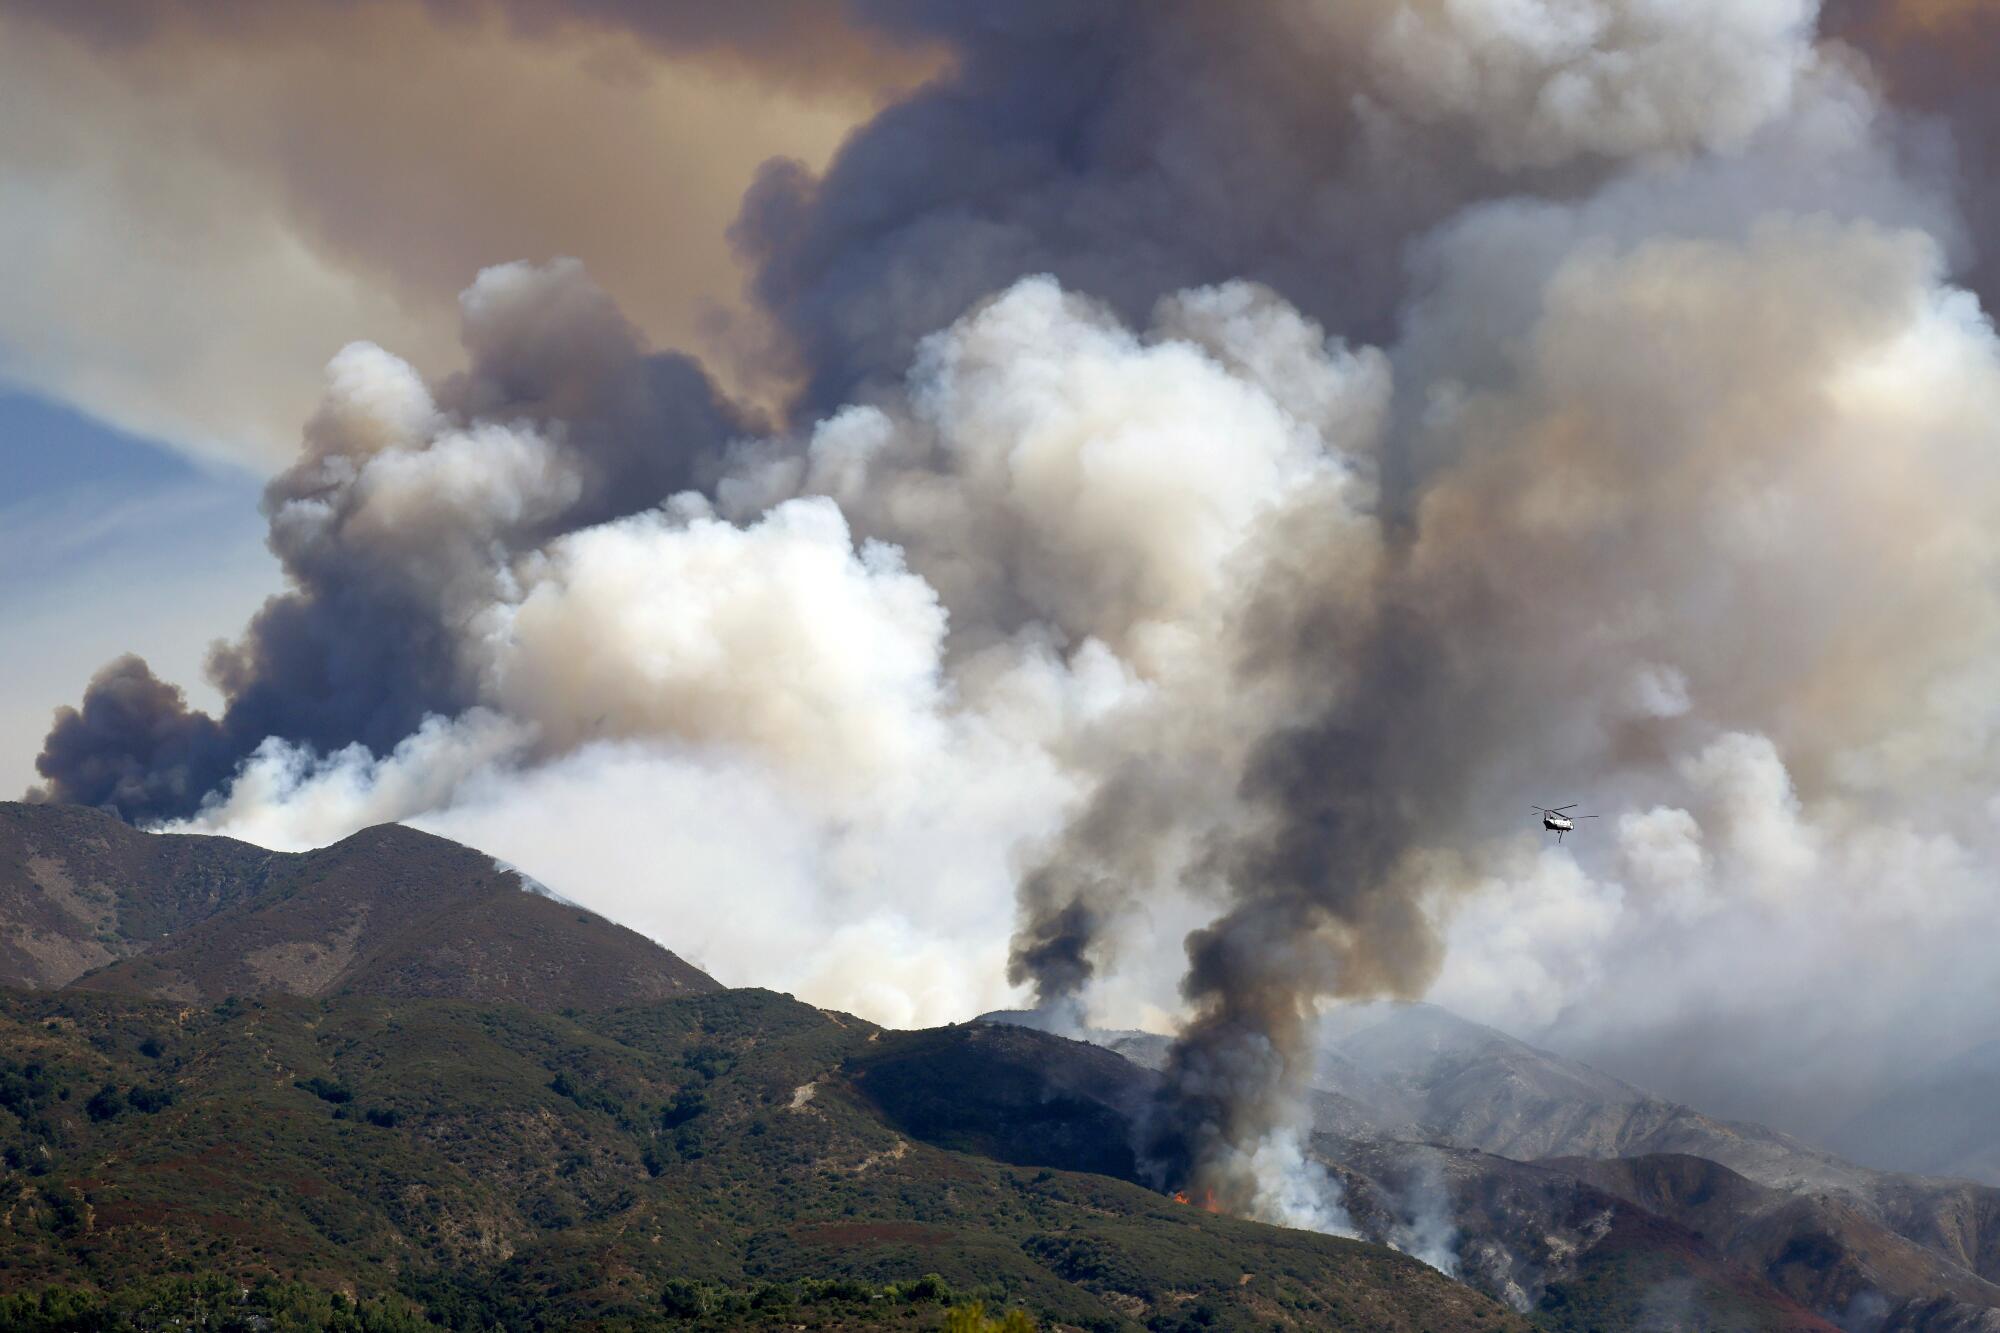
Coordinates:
<point>1560,821</point>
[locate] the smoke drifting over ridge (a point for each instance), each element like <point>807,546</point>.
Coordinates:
<point>1661,467</point>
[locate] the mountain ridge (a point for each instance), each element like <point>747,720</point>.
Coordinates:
<point>711,1161</point>
<point>389,910</point>
<point>398,982</point>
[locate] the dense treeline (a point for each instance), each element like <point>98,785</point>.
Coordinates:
<point>220,1304</point>
<point>211,1302</point>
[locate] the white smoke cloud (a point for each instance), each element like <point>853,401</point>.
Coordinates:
<point>770,697</point>
<point>779,637</point>
<point>1685,482</point>
<point>1666,862</point>
<point>902,918</point>
<point>1763,960</point>
<point>1294,1190</point>
<point>1050,466</point>
<point>1541,81</point>
<point>1524,943</point>
<point>1758,471</point>
<point>291,799</point>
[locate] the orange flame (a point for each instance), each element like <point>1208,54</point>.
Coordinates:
<point>1208,1203</point>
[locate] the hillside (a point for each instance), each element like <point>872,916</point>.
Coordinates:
<point>89,902</point>
<point>395,1068</point>
<point>1474,1087</point>
<point>726,1152</point>
<point>1509,1147</point>
<point>1821,1249</point>
<point>80,889</point>
<point>1535,1236</point>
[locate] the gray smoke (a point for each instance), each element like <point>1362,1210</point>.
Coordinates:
<point>1135,150</point>
<point>1934,59</point>
<point>1661,450</point>
<point>1521,512</point>
<point>1427,1231</point>
<point>561,420</point>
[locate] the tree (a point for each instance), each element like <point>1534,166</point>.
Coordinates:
<point>105,1103</point>
<point>971,1318</point>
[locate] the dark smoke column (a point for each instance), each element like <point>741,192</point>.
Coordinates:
<point>1324,866</point>
<point>133,747</point>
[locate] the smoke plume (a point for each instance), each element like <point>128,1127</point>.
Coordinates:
<point>396,523</point>
<point>1244,459</point>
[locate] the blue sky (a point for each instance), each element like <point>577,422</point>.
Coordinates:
<point>111,543</point>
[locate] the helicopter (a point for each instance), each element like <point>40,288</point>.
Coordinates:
<point>1559,821</point>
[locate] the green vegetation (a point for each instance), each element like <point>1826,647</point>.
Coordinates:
<point>224,1305</point>
<point>209,1302</point>
<point>325,1089</point>
<point>704,1163</point>
<point>972,1319</point>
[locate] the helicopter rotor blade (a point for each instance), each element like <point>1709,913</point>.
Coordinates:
<point>1561,808</point>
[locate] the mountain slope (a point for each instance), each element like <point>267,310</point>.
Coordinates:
<point>80,889</point>
<point>508,1168</point>
<point>1426,1113</point>
<point>1418,1071</point>
<point>86,900</point>
<point>1583,1257</point>
<point>1480,1088</point>
<point>1472,1086</point>
<point>1820,1249</point>
<point>391,911</point>
<point>1536,1236</point>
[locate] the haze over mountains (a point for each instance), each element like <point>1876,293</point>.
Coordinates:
<point>1944,1122</point>
<point>393,977</point>
<point>1499,1150</point>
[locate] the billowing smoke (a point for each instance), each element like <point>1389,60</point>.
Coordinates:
<point>1658,472</point>
<point>396,523</point>
<point>1132,150</point>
